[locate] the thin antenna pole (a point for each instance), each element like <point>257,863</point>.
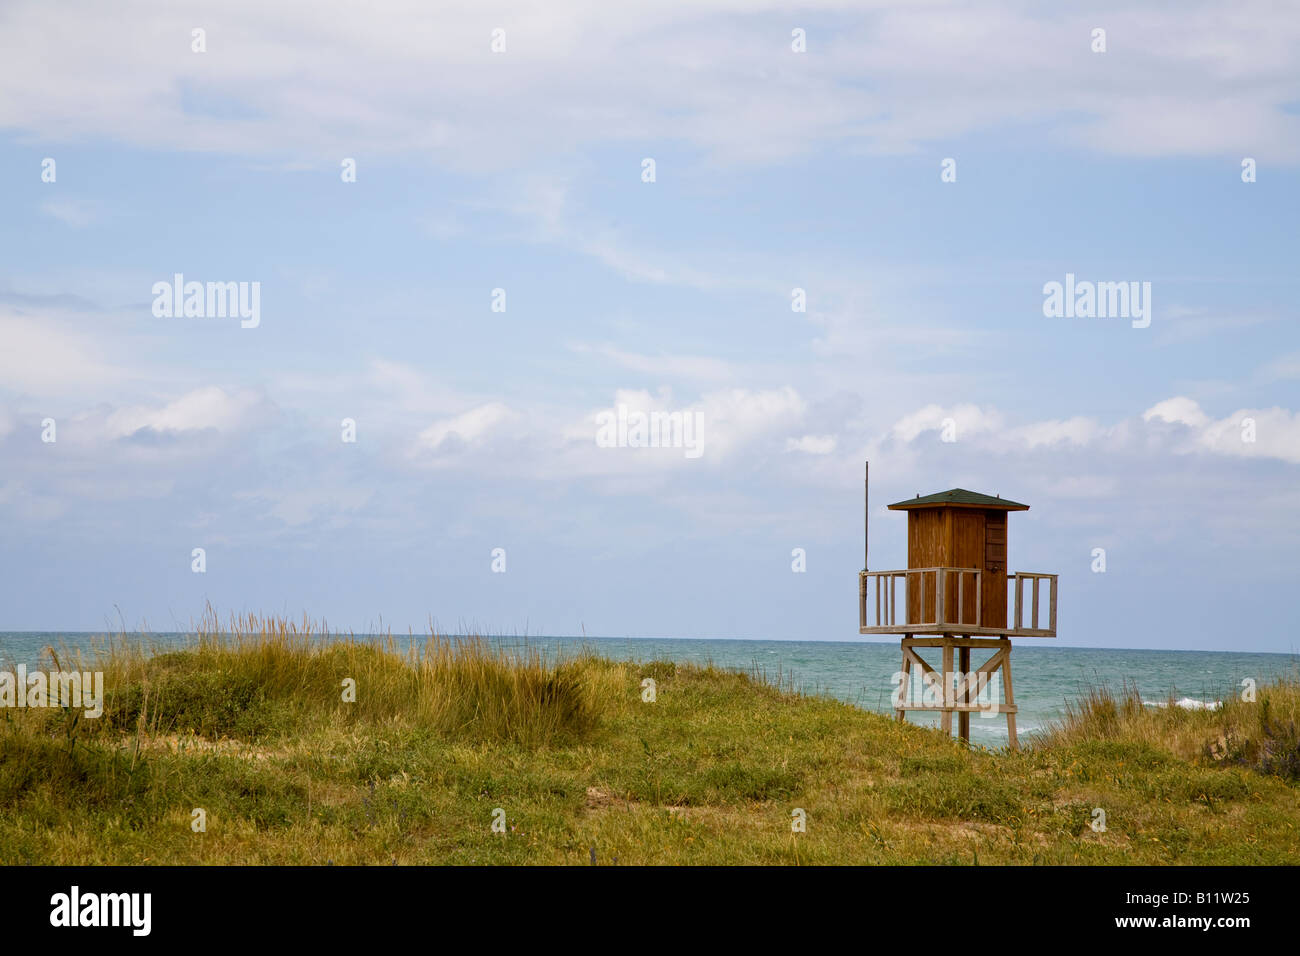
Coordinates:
<point>862,578</point>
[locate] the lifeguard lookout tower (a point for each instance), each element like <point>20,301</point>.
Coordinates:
<point>955,599</point>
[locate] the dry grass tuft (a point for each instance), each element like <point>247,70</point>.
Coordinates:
<point>260,676</point>
<point>1263,734</point>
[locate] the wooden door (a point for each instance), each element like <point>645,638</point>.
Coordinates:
<point>925,549</point>
<point>968,551</point>
<point>995,569</point>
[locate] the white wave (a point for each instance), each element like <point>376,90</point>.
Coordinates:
<point>1186,703</point>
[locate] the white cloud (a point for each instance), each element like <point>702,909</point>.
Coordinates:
<point>1188,428</point>
<point>1065,454</point>
<point>404,388</point>
<point>1183,79</point>
<point>48,355</point>
<point>1276,434</point>
<point>969,420</point>
<point>734,418</point>
<point>1179,410</point>
<point>1246,433</point>
<point>204,408</point>
<point>733,423</point>
<point>469,427</point>
<point>1076,431</point>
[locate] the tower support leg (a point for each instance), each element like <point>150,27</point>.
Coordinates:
<point>963,718</point>
<point>1012,742</point>
<point>946,717</point>
<point>906,690</point>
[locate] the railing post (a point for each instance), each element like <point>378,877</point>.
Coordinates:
<point>1020,602</point>
<point>862,599</point>
<point>907,605</point>
<point>939,589</point>
<point>961,596</point>
<point>1035,624</point>
<point>1051,607</point>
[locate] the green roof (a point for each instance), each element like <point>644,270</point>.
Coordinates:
<point>958,496</point>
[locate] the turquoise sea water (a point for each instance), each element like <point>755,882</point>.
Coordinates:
<point>860,673</point>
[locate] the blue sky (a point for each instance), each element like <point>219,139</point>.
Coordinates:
<point>521,170</point>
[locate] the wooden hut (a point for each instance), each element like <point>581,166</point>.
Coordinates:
<point>955,599</point>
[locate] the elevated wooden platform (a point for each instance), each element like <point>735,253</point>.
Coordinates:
<point>944,608</point>
<point>950,601</point>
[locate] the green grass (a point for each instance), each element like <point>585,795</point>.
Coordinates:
<point>250,725</point>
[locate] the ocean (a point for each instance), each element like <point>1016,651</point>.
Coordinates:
<point>861,673</point>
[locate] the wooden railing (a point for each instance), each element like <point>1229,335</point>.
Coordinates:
<point>932,588</point>
<point>936,584</point>
<point>1018,621</point>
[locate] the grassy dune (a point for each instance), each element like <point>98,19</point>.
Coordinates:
<point>250,725</point>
